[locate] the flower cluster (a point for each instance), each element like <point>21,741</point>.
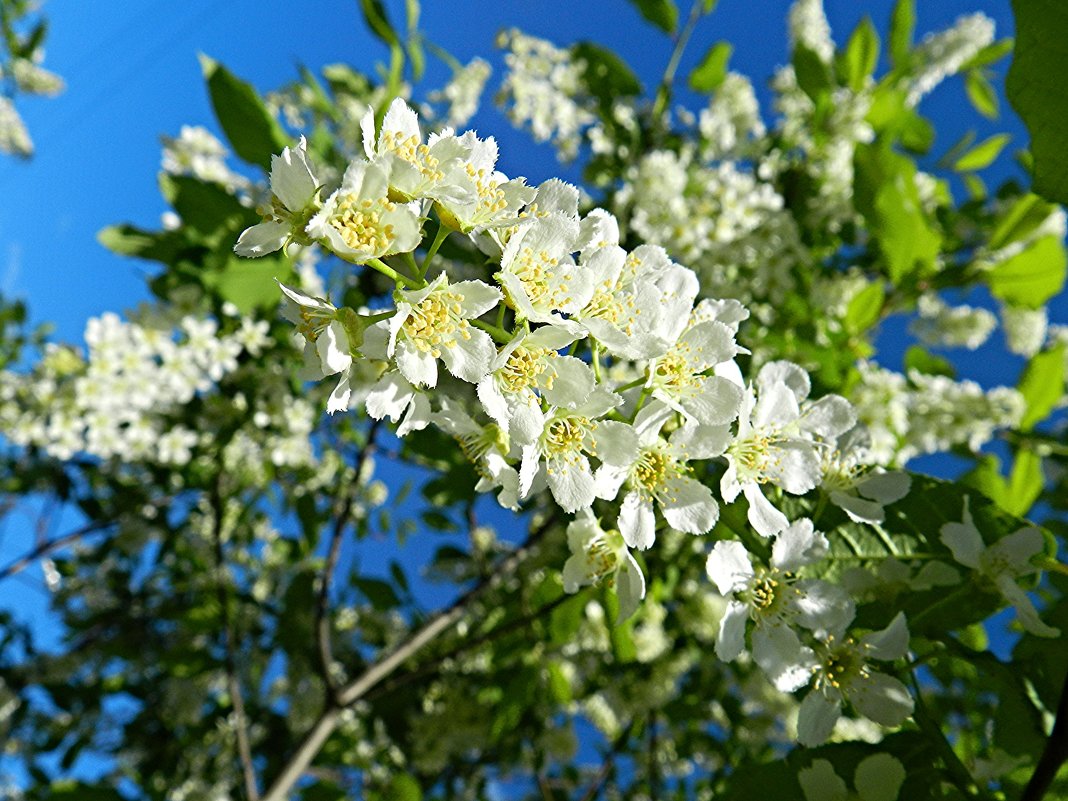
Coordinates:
<point>575,367</point>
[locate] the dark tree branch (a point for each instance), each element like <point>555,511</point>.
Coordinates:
<point>237,701</point>
<point>608,765</point>
<point>46,547</point>
<point>1054,755</point>
<point>323,624</point>
<point>354,690</point>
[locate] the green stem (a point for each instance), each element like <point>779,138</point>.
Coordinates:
<point>597,362</point>
<point>441,235</point>
<point>500,316</point>
<point>409,259</point>
<point>637,382</point>
<point>663,92</point>
<point>499,335</point>
<point>646,392</point>
<point>389,272</point>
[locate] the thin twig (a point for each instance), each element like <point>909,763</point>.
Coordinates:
<point>46,547</point>
<point>322,608</point>
<point>244,749</point>
<point>1054,755</point>
<point>608,764</point>
<point>324,726</point>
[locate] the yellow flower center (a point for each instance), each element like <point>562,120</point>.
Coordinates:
<point>360,224</point>
<point>536,272</point>
<point>674,371</point>
<point>436,322</point>
<point>526,367</point>
<point>491,200</point>
<point>653,468</point>
<point>565,438</point>
<point>411,150</point>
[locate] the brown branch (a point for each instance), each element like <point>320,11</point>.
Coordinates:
<point>244,749</point>
<point>323,634</point>
<point>48,546</point>
<point>608,765</point>
<point>1054,755</point>
<point>354,690</point>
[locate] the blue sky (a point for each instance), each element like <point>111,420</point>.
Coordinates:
<point>133,75</point>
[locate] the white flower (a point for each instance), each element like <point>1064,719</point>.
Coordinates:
<point>853,486</point>
<point>486,447</point>
<point>567,438</point>
<point>416,170</point>
<point>294,199</point>
<point>945,326</point>
<point>678,378</point>
<point>776,601</point>
<point>1001,564</point>
<point>775,441</point>
<point>660,473</point>
<point>641,301</point>
<point>540,279</point>
<point>531,362</point>
<point>432,323</point>
<point>495,199</point>
<point>843,674</point>
<point>599,556</point>
<point>878,778</point>
<point>464,91</point>
<point>393,397</point>
<point>327,349</point>
<point>359,222</point>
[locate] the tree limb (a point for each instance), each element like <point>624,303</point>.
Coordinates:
<point>354,690</point>
<point>322,608</point>
<point>1054,755</point>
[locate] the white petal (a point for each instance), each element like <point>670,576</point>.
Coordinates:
<point>858,509</point>
<point>630,587</point>
<point>571,483</point>
<point>1025,610</point>
<point>765,518</point>
<point>798,467</point>
<point>889,643</point>
<point>799,544</point>
<point>688,505</point>
<point>823,607</point>
<point>617,444</point>
<point>786,663</point>
<point>389,397</point>
<point>788,373</point>
<point>261,239</point>
<point>478,297</point>
<point>528,469</point>
<point>881,698</point>
<point>816,718</point>
<point>417,366</point>
<point>291,177</point>
<point>731,639</point>
<point>493,401</point>
<point>964,539</point>
<point>573,383</point>
<point>717,403</point>
<point>469,359</point>
<point>637,523</point>
<point>333,349</point>
<point>339,398</point>
<point>886,488</point>
<point>830,416</point>
<point>729,566</point>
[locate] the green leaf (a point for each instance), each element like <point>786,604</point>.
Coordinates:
<point>1042,385</point>
<point>1035,88</point>
<point>986,477</point>
<point>865,308</point>
<point>402,787</point>
<point>709,6</point>
<point>249,283</point>
<point>1025,483</point>
<point>1025,215</point>
<point>991,54</point>
<point>251,130</point>
<point>606,75</point>
<point>860,56</point>
<point>709,74</point>
<point>886,195</point>
<point>662,13</point>
<point>982,94</point>
<point>916,358</point>
<point>813,73</point>
<point>374,14</point>
<point>1032,276</point>
<point>380,593</point>
<point>983,154</point>
<point>902,25</point>
<point>204,207</point>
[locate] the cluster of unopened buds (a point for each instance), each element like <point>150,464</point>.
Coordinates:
<point>597,374</point>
